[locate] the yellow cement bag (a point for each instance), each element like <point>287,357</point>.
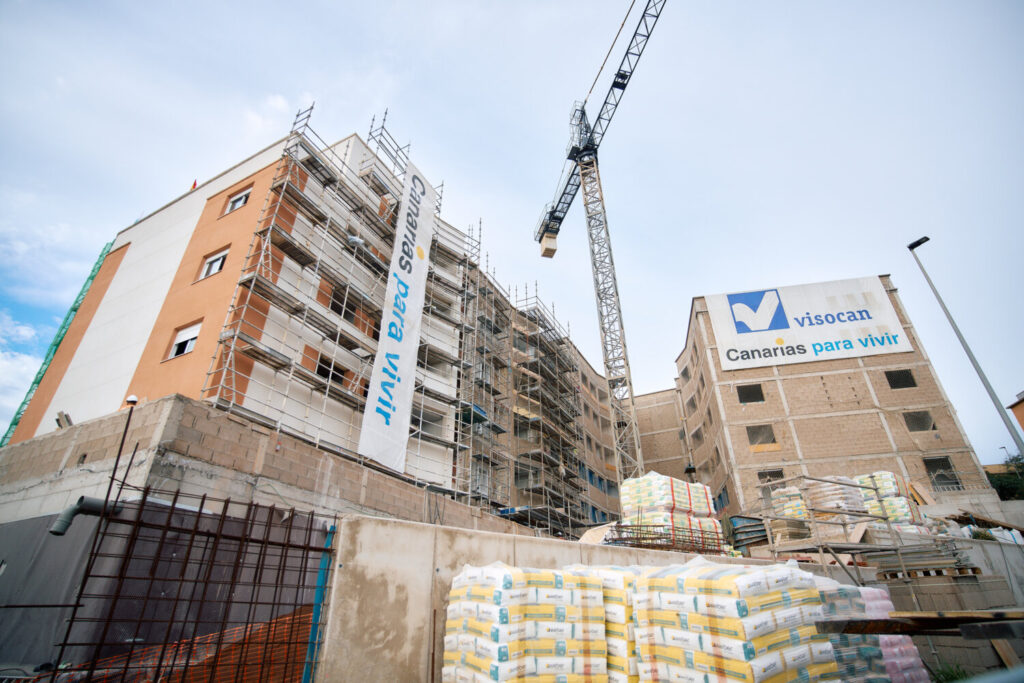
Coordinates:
<point>718,606</point>
<point>754,671</point>
<point>498,633</point>
<point>499,671</point>
<point>811,674</point>
<point>745,628</point>
<point>563,666</point>
<point>569,630</point>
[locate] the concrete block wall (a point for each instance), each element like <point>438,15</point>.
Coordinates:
<point>187,444</point>
<point>828,417</point>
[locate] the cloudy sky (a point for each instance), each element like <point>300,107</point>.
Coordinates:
<point>758,144</point>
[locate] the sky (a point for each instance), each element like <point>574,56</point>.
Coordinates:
<point>757,145</point>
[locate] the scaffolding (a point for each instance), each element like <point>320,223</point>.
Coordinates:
<point>484,469</point>
<point>549,489</point>
<point>299,339</point>
<point>831,532</point>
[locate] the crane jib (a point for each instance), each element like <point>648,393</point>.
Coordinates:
<point>551,220</point>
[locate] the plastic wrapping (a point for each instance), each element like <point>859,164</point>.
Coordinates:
<point>703,621</point>
<point>505,623</point>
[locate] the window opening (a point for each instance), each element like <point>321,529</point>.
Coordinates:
<point>900,379</point>
<point>750,393</point>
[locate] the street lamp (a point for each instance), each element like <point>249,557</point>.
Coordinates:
<point>963,342</point>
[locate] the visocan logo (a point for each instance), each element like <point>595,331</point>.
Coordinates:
<point>757,311</point>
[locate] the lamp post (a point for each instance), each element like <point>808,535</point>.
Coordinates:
<point>967,349</point>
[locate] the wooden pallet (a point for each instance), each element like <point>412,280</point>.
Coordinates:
<point>938,571</point>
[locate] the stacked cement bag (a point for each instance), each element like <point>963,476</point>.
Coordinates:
<point>675,506</point>
<point>618,586</point>
<point>505,623</point>
<point>789,502</point>
<point>833,495</point>
<point>901,510</point>
<point>889,485</point>
<point>902,661</point>
<point>709,622</point>
<point>868,658</point>
<point>892,499</point>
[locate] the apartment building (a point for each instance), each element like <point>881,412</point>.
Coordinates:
<point>262,292</point>
<point>821,379</point>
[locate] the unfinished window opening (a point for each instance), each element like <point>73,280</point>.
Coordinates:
<point>691,406</point>
<point>711,420</point>
<point>341,376</point>
<point>919,421</point>
<point>685,374</point>
<point>697,437</point>
<point>941,474</point>
<point>184,340</point>
<point>900,379</point>
<point>767,477</point>
<point>761,435</point>
<point>345,304</point>
<point>237,201</point>
<point>750,393</point>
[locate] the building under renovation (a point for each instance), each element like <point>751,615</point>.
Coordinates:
<point>262,292</point>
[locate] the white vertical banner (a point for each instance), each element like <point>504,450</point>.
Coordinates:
<point>384,435</point>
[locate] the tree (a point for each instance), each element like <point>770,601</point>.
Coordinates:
<point>1010,486</point>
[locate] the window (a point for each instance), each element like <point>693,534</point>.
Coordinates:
<point>184,340</point>
<point>750,393</point>
<point>214,264</point>
<point>685,374</point>
<point>613,489</point>
<point>701,378</point>
<point>941,474</point>
<point>761,435</point>
<point>919,421</point>
<point>697,437</point>
<point>711,420</point>
<point>237,201</point>
<point>691,406</point>
<point>900,379</point>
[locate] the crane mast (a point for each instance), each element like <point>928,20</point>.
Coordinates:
<point>584,174</point>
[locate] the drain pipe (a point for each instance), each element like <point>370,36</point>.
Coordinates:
<point>85,506</point>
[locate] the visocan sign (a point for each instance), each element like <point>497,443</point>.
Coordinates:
<point>384,435</point>
<point>824,321</point>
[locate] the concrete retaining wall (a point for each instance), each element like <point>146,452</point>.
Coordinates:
<point>390,587</point>
<point>189,445</point>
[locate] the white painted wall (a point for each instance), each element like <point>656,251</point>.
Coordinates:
<point>97,379</point>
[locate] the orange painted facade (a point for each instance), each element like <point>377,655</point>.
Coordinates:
<point>35,411</point>
<point>195,299</point>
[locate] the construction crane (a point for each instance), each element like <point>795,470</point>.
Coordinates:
<point>586,138</point>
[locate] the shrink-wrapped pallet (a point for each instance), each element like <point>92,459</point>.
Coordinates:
<point>709,622</point>
<point>868,658</point>
<point>507,623</point>
<point>657,492</point>
<point>834,495</point>
<point>617,585</point>
<point>789,502</point>
<point>902,510</point>
<point>888,485</point>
